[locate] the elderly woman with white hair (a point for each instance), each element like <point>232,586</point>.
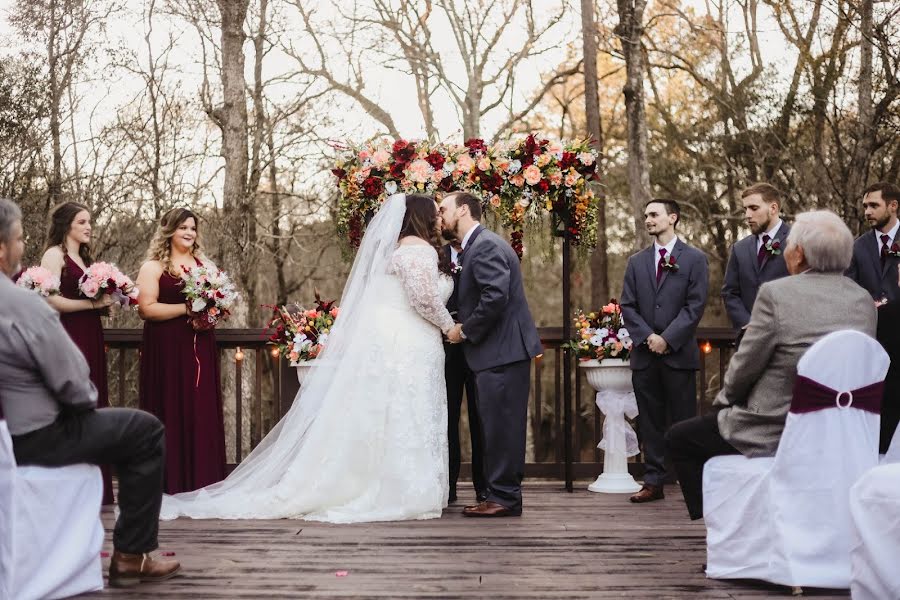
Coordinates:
<point>789,316</point>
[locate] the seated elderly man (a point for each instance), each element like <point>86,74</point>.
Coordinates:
<point>50,406</point>
<point>789,316</point>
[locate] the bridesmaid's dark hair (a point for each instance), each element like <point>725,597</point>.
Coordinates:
<point>420,220</point>
<point>61,219</point>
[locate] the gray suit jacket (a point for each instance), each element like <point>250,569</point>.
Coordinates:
<point>789,316</point>
<point>673,309</point>
<point>744,275</point>
<point>41,369</point>
<point>492,306</point>
<point>866,270</point>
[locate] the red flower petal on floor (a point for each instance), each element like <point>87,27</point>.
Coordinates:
<point>341,573</point>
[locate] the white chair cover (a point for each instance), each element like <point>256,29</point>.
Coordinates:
<point>786,519</point>
<point>875,509</point>
<point>57,534</point>
<point>893,453</point>
<point>7,483</point>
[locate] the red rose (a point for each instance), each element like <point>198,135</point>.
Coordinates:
<point>403,151</point>
<point>492,182</point>
<point>567,160</point>
<point>447,184</point>
<point>777,245</point>
<point>397,170</point>
<point>542,186</point>
<point>373,186</point>
<point>436,160</point>
<point>531,147</point>
<point>476,146</point>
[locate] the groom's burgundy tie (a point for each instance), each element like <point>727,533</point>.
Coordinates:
<point>659,265</point>
<point>885,241</point>
<point>761,255</point>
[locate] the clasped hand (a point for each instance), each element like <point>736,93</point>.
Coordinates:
<point>657,344</point>
<point>454,335</point>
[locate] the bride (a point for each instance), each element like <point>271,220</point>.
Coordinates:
<point>366,437</point>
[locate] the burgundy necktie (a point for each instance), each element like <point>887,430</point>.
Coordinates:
<point>761,255</point>
<point>659,265</point>
<point>885,239</point>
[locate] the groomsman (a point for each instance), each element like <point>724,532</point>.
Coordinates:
<point>758,257</point>
<point>876,255</point>
<point>460,379</point>
<point>663,299</point>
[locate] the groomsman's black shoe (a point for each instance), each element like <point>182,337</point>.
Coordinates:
<point>648,493</point>
<point>491,509</point>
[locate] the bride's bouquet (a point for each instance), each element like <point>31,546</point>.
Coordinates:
<point>301,334</point>
<point>104,278</point>
<point>210,296</point>
<point>40,280</point>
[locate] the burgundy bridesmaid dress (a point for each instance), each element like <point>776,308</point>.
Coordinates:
<point>86,330</point>
<point>179,383</point>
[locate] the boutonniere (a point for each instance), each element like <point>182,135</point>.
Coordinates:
<point>455,269</point>
<point>773,247</point>
<point>893,251</point>
<point>669,263</point>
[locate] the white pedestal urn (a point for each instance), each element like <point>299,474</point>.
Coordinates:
<point>611,377</point>
<point>303,369</point>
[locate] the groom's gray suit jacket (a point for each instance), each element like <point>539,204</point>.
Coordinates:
<point>492,306</point>
<point>671,309</point>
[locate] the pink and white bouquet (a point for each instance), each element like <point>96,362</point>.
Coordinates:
<point>40,280</point>
<point>601,334</point>
<point>301,334</point>
<point>210,296</point>
<point>104,278</point>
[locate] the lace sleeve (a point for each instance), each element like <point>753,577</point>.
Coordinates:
<point>416,266</point>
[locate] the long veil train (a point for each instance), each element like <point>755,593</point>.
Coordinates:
<point>334,456</point>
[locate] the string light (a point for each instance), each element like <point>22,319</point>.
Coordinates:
<point>275,352</point>
<point>706,347</point>
<point>239,354</point>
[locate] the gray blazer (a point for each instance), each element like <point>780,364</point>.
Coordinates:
<point>673,309</point>
<point>744,275</point>
<point>866,270</point>
<point>493,310</point>
<point>789,316</point>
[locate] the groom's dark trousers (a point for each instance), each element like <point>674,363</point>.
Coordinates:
<point>461,380</point>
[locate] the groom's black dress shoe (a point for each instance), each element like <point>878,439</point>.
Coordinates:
<point>490,509</point>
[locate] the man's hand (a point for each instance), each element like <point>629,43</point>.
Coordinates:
<point>453,336</point>
<point>657,344</point>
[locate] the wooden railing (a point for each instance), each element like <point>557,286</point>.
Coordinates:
<point>254,405</point>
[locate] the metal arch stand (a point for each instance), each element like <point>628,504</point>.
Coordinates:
<point>567,356</point>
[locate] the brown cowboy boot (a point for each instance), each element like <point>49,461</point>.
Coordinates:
<point>131,569</point>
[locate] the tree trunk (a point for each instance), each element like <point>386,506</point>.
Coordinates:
<point>630,30</point>
<point>599,259</point>
<point>865,125</point>
<point>54,186</point>
<point>239,220</point>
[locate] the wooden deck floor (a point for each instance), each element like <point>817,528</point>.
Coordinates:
<point>580,545</point>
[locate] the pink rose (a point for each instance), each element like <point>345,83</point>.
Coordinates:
<point>532,175</point>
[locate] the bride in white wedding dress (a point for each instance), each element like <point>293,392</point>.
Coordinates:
<point>366,436</point>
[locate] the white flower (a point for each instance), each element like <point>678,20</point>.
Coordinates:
<point>390,187</point>
<point>514,166</point>
<point>596,340</point>
<point>603,332</point>
<point>323,338</point>
<point>622,334</point>
<point>198,305</point>
<point>300,337</point>
<point>627,343</point>
<point>524,202</point>
<point>449,167</point>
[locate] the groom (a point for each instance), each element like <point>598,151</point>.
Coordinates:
<point>500,341</point>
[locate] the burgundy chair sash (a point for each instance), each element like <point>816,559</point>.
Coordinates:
<point>810,396</point>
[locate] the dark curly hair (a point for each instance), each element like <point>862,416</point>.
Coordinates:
<point>420,220</point>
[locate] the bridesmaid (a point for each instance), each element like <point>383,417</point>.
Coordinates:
<point>67,255</point>
<point>179,380</point>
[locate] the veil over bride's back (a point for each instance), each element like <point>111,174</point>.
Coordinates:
<point>319,456</point>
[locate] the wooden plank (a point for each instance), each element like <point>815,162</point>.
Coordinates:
<point>579,545</point>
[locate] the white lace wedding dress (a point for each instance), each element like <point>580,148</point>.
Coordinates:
<point>366,438</point>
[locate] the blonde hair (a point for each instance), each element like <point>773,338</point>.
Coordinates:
<point>161,245</point>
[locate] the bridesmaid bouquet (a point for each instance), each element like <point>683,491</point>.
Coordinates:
<point>210,296</point>
<point>301,334</point>
<point>40,280</point>
<point>103,278</point>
